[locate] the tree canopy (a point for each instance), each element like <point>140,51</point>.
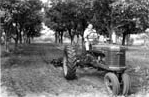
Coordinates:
<point>71,17</point>
<point>121,16</point>
<point>21,18</point>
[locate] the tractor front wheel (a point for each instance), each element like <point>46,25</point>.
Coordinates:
<point>112,83</point>
<point>126,83</point>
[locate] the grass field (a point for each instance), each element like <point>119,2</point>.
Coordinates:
<point>28,71</point>
<point>138,58</point>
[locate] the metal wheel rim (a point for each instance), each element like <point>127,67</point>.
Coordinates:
<point>65,65</point>
<point>109,85</point>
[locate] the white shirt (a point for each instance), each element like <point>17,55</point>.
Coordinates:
<point>88,32</point>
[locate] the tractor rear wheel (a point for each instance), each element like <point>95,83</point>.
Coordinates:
<point>126,83</point>
<point>112,83</point>
<point>69,63</point>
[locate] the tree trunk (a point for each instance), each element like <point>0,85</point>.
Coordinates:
<point>6,43</point>
<point>56,37</point>
<point>20,37</point>
<point>17,38</point>
<point>124,37</point>
<point>61,37</point>
<point>110,33</point>
<point>78,39</point>
<point>29,40</point>
<point>71,36</point>
<point>24,39</point>
<point>16,43</point>
<point>83,44</point>
<point>128,39</point>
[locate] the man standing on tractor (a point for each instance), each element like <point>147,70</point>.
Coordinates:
<point>89,34</point>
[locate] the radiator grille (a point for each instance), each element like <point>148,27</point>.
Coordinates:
<point>115,58</point>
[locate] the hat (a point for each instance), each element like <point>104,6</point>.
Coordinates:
<point>90,26</point>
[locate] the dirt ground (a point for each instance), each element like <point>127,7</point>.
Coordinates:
<point>29,73</point>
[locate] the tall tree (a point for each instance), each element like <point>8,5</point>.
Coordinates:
<point>69,15</point>
<point>127,16</point>
<point>21,16</point>
<point>133,16</point>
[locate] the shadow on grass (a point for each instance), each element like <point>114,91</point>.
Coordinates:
<point>139,78</point>
<point>27,71</point>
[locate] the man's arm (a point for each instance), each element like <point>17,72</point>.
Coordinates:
<point>86,33</point>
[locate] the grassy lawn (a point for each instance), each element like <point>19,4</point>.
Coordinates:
<point>138,58</point>
<point>28,70</point>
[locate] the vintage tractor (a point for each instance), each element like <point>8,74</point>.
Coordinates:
<point>110,58</point>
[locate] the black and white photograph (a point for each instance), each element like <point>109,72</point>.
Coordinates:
<point>74,48</point>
